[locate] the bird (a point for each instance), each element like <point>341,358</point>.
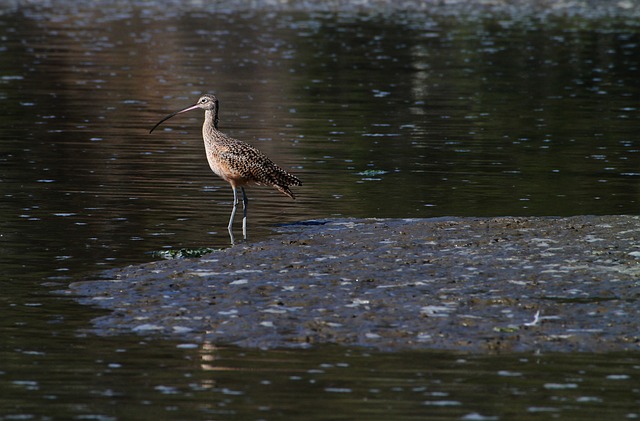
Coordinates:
<point>236,162</point>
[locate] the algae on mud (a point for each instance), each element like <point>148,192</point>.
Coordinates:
<point>466,284</point>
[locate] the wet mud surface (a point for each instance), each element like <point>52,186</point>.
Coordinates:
<point>506,284</point>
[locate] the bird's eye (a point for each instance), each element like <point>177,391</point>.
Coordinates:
<point>203,100</point>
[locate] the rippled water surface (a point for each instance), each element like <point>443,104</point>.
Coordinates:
<point>395,114</point>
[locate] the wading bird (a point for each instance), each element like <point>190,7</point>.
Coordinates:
<point>236,162</point>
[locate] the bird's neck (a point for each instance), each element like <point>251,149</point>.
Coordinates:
<point>211,119</point>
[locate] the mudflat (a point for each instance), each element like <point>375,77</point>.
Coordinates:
<point>506,284</point>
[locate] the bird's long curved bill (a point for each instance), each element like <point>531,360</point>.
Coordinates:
<point>189,108</point>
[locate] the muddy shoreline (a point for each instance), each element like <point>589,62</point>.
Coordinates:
<point>509,284</point>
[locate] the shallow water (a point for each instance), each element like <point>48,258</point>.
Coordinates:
<point>380,115</point>
<point>124,378</point>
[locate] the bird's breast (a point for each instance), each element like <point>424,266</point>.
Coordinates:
<point>226,167</point>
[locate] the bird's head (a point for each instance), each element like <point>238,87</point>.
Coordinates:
<point>207,102</point>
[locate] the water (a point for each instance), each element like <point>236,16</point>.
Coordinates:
<point>126,379</point>
<point>380,115</point>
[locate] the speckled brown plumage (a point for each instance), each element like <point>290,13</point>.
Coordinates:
<point>236,162</point>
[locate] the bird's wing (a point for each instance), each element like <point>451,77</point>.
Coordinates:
<point>251,164</point>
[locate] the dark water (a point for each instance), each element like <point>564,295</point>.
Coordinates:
<point>380,115</point>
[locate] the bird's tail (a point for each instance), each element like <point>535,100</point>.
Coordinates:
<point>284,180</point>
<point>285,190</point>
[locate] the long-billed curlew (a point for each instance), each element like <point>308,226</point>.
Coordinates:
<point>236,162</point>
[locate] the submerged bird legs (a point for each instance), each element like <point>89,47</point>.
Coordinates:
<point>245,202</point>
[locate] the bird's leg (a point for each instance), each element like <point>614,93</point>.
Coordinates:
<point>245,203</point>
<point>233,213</point>
<point>232,238</point>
